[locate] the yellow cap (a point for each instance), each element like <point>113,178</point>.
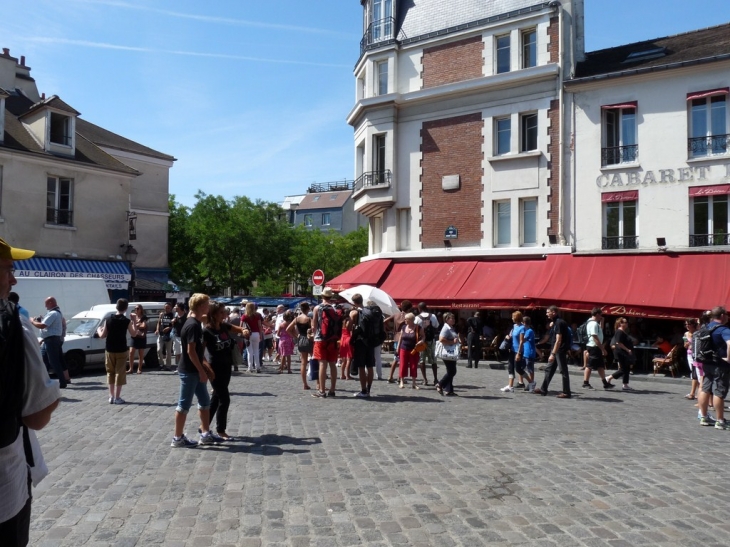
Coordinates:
<point>6,251</point>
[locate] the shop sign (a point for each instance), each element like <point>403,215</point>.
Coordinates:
<point>663,176</point>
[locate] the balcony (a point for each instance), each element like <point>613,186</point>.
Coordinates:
<point>615,155</point>
<point>372,192</point>
<point>378,32</point>
<point>60,217</point>
<point>620,242</point>
<point>707,146</point>
<point>709,240</point>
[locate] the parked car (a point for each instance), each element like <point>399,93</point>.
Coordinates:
<point>83,348</point>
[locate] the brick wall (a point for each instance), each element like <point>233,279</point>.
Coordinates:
<point>453,62</point>
<point>452,146</point>
<point>553,149</point>
<point>554,42</point>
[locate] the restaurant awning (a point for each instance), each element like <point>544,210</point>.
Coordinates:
<point>116,274</point>
<point>365,273</point>
<point>503,284</point>
<point>436,283</point>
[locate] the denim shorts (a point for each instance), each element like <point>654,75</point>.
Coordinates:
<point>190,385</point>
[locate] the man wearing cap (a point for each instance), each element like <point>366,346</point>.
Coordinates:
<point>34,405</point>
<point>325,350</point>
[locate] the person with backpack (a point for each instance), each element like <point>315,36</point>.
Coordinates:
<point>430,325</point>
<point>474,328</point>
<point>327,325</point>
<point>28,397</point>
<point>596,351</point>
<point>712,348</point>
<point>368,333</point>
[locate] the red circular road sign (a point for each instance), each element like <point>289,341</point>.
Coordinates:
<point>318,277</point>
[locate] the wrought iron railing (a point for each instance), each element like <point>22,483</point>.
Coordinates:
<point>60,138</point>
<point>706,146</point>
<point>708,240</point>
<point>621,242</point>
<point>614,155</point>
<point>330,186</point>
<point>378,31</point>
<point>62,217</point>
<point>372,178</point>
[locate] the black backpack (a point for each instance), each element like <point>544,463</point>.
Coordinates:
<point>370,326</point>
<point>428,331</point>
<point>582,332</point>
<point>703,348</point>
<point>330,323</point>
<point>12,373</point>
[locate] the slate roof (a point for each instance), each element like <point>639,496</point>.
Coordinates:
<point>324,200</point>
<point>698,45</point>
<point>89,137</point>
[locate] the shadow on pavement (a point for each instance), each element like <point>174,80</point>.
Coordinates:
<point>275,440</point>
<point>482,397</point>
<point>403,398</point>
<point>598,399</point>
<point>252,394</point>
<point>69,400</point>
<point>266,445</point>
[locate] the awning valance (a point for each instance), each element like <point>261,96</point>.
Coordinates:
<point>365,273</point>
<point>628,104</point>
<point>610,197</point>
<point>116,274</point>
<point>716,190</point>
<point>708,93</point>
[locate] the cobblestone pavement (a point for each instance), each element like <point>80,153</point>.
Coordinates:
<point>405,467</point>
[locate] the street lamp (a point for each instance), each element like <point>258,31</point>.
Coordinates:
<point>208,283</point>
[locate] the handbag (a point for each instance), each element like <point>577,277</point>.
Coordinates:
<point>304,344</point>
<point>447,353</point>
<point>420,346</point>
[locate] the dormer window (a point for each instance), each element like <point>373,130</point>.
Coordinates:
<point>60,129</point>
<point>379,22</point>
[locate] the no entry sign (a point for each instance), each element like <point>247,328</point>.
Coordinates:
<point>318,277</point>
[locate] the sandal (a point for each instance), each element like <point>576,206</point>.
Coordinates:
<point>690,397</point>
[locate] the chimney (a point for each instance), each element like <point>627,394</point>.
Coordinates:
<point>43,96</point>
<point>6,51</point>
<point>22,60</point>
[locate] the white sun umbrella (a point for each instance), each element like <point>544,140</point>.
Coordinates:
<point>379,297</point>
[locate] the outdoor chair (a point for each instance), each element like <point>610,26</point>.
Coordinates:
<point>670,360</point>
<point>493,349</point>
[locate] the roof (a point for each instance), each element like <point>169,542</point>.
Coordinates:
<point>324,200</point>
<point>103,137</point>
<point>292,202</point>
<point>702,44</point>
<point>54,101</point>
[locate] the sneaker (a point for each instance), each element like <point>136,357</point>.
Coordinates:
<point>627,388</point>
<point>119,401</point>
<point>721,424</point>
<point>608,385</point>
<point>331,394</point>
<point>111,400</point>
<point>362,394</point>
<point>217,438</point>
<point>507,389</point>
<point>182,442</point>
<point>319,395</point>
<point>520,386</point>
<point>531,387</point>
<point>207,438</point>
<point>586,385</point>
<point>707,421</point>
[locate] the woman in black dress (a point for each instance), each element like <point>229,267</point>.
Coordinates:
<point>300,331</point>
<point>220,345</point>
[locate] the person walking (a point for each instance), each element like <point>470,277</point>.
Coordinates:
<point>515,336</point>
<point>410,335</point>
<point>220,342</point>
<point>51,327</point>
<point>559,341</point>
<point>163,330</point>
<point>139,342</point>
<point>474,328</point>
<point>398,319</point>
<point>527,354</point>
<point>596,350</point>
<point>623,351</point>
<point>255,323</point>
<point>428,322</point>
<point>448,337</point>
<point>115,329</point>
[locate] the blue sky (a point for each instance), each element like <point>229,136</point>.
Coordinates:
<point>250,96</point>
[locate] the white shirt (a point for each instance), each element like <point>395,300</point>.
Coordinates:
<point>40,392</point>
<point>421,318</point>
<point>593,327</point>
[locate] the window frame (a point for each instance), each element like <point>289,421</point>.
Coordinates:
<point>616,144</point>
<point>380,144</point>
<point>326,219</point>
<point>621,226</point>
<point>497,132</point>
<point>499,215</point>
<point>404,229</point>
<point>533,132</point>
<point>381,78</point>
<point>719,238</point>
<point>308,220</point>
<point>710,134</point>
<point>523,231</point>
<point>67,137</point>
<point>58,196</point>
<point>501,50</point>
<point>532,48</point>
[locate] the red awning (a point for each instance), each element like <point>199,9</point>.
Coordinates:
<point>365,273</point>
<point>501,285</point>
<point>435,283</point>
<point>629,104</point>
<point>717,190</point>
<point>708,93</point>
<point>610,197</point>
<point>655,285</point>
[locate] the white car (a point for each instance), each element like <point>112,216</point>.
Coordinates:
<point>82,347</point>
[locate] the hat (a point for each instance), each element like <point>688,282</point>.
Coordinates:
<point>327,292</point>
<point>8,252</point>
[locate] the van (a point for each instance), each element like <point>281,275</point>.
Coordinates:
<point>83,348</point>
<point>73,295</point>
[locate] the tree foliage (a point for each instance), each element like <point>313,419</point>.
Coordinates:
<point>234,243</point>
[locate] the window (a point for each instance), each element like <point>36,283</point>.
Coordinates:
<point>529,48</point>
<point>59,200</point>
<point>404,229</point>
<point>315,198</point>
<point>333,197</point>
<point>619,135</point>
<point>528,132</point>
<point>60,129</point>
<point>325,219</point>
<point>709,221</point>
<point>503,53</point>
<point>502,224</point>
<point>381,19</point>
<point>308,220</point>
<point>503,127</point>
<point>376,234</point>
<point>379,159</point>
<point>528,221</point>
<point>620,225</point>
<point>708,126</point>
<point>381,84</point>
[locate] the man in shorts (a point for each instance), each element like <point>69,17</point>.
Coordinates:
<point>325,348</point>
<point>115,329</point>
<point>717,373</point>
<point>596,350</point>
<point>362,354</point>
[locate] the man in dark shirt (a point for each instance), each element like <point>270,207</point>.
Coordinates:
<point>115,329</point>
<point>559,344</point>
<point>164,338</point>
<point>194,373</point>
<point>716,380</point>
<point>474,327</point>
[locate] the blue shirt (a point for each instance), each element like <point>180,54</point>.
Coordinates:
<point>528,344</point>
<point>720,336</point>
<point>516,331</point>
<point>23,311</point>
<point>54,324</point>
